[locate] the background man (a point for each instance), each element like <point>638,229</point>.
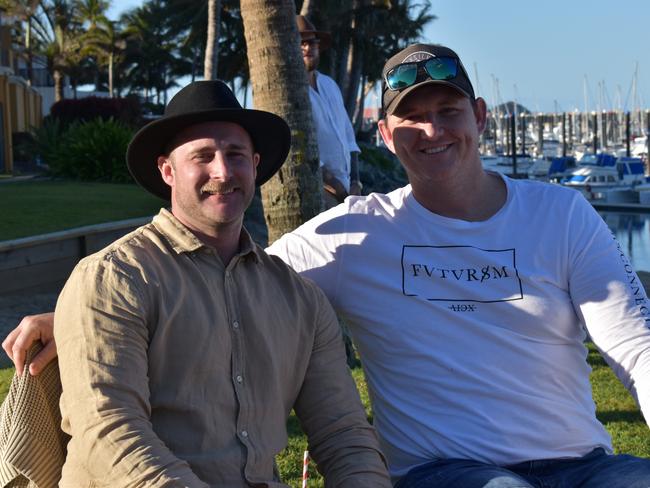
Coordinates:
<point>183,347</point>
<point>469,296</point>
<point>339,153</point>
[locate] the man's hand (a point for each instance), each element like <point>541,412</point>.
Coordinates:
<point>355,188</point>
<point>31,329</point>
<point>334,186</point>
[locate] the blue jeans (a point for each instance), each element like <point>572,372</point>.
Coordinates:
<point>595,470</point>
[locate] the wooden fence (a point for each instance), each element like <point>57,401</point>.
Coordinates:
<point>46,260</point>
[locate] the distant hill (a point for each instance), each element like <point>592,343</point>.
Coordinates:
<point>509,107</point>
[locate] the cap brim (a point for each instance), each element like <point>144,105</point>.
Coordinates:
<point>270,134</point>
<point>398,99</point>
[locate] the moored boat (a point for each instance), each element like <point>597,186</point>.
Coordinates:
<point>607,178</point>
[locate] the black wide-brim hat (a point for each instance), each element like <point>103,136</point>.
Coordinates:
<point>198,102</point>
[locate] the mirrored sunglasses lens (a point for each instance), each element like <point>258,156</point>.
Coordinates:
<point>402,76</point>
<point>441,68</point>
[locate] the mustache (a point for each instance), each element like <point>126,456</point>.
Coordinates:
<point>218,187</point>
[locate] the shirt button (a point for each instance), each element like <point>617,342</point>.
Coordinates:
<point>244,433</point>
<point>235,324</point>
<point>239,379</point>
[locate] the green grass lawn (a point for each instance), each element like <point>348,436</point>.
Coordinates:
<point>42,206</point>
<point>615,408</point>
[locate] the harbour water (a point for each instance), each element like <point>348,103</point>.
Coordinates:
<point>633,232</point>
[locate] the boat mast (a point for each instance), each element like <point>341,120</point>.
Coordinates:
<point>636,103</point>
<point>620,113</point>
<point>585,119</point>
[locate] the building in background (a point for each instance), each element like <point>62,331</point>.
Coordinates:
<point>20,104</point>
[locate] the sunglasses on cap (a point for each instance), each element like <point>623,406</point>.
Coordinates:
<point>407,74</point>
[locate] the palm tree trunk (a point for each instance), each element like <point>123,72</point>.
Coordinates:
<point>309,8</point>
<point>211,47</point>
<point>195,62</point>
<point>357,121</point>
<point>58,85</point>
<point>340,72</point>
<point>279,83</point>
<point>28,49</point>
<point>165,84</point>
<point>355,70</point>
<point>110,74</point>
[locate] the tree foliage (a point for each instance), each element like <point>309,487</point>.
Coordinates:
<point>152,47</point>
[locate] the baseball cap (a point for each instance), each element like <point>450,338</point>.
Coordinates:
<point>410,69</point>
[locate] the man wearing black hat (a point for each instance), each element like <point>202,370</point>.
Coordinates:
<point>468,295</point>
<point>182,346</point>
<point>339,152</point>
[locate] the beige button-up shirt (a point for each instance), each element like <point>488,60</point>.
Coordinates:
<point>178,371</point>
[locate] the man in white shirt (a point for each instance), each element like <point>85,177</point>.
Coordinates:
<point>469,296</point>
<point>336,143</point>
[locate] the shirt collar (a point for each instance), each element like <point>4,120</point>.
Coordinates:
<point>247,246</point>
<point>183,240</point>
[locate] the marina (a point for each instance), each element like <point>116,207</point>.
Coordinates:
<point>632,230</point>
<point>604,155</point>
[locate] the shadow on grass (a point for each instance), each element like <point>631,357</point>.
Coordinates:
<point>293,427</point>
<point>593,357</point>
<point>619,416</point>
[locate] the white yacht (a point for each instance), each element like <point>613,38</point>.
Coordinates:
<point>547,169</point>
<point>607,178</point>
<point>503,163</point>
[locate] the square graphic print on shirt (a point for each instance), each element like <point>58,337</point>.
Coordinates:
<point>460,273</point>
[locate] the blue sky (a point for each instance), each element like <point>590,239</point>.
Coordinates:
<point>542,52</point>
<point>546,48</point>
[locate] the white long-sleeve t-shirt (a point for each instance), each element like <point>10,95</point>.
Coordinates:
<point>333,128</point>
<point>472,333</point>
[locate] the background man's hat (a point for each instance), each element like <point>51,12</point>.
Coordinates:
<point>198,102</point>
<point>419,52</point>
<point>305,27</point>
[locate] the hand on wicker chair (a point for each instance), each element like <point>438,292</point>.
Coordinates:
<point>32,444</point>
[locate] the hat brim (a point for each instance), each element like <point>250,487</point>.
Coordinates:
<point>270,134</point>
<point>325,38</point>
<point>407,91</point>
